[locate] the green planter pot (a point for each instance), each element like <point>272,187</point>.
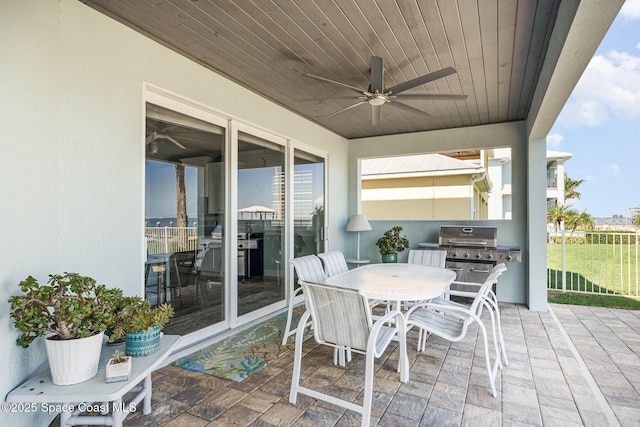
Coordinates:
<point>390,258</point>
<point>143,343</point>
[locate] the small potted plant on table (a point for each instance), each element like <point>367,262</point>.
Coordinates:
<point>73,313</point>
<point>391,243</point>
<point>140,324</point>
<point>118,367</point>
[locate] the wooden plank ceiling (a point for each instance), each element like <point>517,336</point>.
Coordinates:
<point>496,46</point>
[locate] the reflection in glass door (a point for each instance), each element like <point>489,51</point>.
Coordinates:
<point>261,223</point>
<point>308,204</point>
<point>184,214</point>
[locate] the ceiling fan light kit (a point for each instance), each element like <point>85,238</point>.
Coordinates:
<point>377,94</point>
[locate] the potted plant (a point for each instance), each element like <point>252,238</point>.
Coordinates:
<point>73,313</point>
<point>118,367</point>
<point>140,324</point>
<point>391,243</point>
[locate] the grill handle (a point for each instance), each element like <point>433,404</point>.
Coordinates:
<point>482,243</point>
<point>454,268</point>
<point>475,270</point>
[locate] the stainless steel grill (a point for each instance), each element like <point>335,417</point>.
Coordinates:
<point>472,251</point>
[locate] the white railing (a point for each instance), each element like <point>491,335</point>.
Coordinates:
<point>164,240</point>
<point>595,263</point>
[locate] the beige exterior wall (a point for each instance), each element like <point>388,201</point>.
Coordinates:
<point>421,198</point>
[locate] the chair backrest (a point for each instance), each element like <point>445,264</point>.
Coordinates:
<point>492,279</point>
<point>340,316</point>
<point>211,260</point>
<point>433,258</point>
<point>334,263</point>
<point>309,268</point>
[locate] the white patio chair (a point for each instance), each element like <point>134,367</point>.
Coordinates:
<point>308,268</point>
<point>434,258</point>
<point>491,299</point>
<point>334,263</point>
<point>342,318</point>
<point>450,320</point>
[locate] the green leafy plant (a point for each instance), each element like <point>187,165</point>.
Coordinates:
<point>391,242</point>
<point>69,306</point>
<point>136,314</point>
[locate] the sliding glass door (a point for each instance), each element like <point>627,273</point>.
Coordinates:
<point>184,216</point>
<point>260,221</point>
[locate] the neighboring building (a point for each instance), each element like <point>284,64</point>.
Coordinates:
<point>469,185</point>
<point>426,186</point>
<point>555,177</point>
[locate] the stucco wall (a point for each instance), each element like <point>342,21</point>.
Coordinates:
<point>72,180</point>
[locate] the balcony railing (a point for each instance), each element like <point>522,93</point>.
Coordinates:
<point>595,263</point>
<point>164,240</point>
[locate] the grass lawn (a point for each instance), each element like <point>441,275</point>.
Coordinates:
<point>608,301</point>
<point>601,268</point>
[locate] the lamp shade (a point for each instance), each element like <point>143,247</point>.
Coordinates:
<point>358,222</point>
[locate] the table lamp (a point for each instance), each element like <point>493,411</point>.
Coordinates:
<point>358,223</point>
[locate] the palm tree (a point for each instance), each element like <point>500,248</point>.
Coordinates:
<point>181,208</point>
<point>586,221</point>
<point>557,214</point>
<point>575,220</point>
<point>570,188</point>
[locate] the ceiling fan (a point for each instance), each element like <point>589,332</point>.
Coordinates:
<point>377,94</point>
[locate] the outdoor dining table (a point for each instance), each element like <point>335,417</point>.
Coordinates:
<point>395,283</point>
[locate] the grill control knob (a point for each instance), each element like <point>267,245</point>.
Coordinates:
<point>509,257</point>
<point>455,254</point>
<point>489,256</point>
<point>466,255</point>
<point>478,255</point>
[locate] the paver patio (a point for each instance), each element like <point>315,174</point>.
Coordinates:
<point>591,380</point>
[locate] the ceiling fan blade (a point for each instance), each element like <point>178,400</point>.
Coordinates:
<point>168,138</point>
<point>319,98</point>
<point>375,114</point>
<point>347,108</point>
<point>422,80</point>
<point>410,109</point>
<point>430,97</point>
<point>360,91</point>
<point>377,71</point>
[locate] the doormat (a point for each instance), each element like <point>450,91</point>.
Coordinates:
<point>245,353</point>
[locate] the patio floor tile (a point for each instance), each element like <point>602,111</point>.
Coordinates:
<point>546,383</point>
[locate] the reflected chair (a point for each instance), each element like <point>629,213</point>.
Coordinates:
<point>209,272</point>
<point>341,318</point>
<point>307,268</point>
<point>451,321</point>
<point>334,263</point>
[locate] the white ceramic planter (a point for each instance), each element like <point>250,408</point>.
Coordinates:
<point>74,361</point>
<point>118,371</point>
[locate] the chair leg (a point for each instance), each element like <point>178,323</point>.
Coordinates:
<point>287,329</point>
<point>297,359</point>
<point>492,370</point>
<point>496,307</point>
<point>368,390</point>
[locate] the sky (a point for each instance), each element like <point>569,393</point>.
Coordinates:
<point>600,123</point>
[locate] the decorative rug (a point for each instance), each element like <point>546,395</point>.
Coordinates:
<point>245,353</point>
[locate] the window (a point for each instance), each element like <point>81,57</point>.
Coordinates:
<point>439,186</point>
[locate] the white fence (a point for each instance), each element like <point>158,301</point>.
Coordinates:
<point>164,240</point>
<point>595,263</point>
